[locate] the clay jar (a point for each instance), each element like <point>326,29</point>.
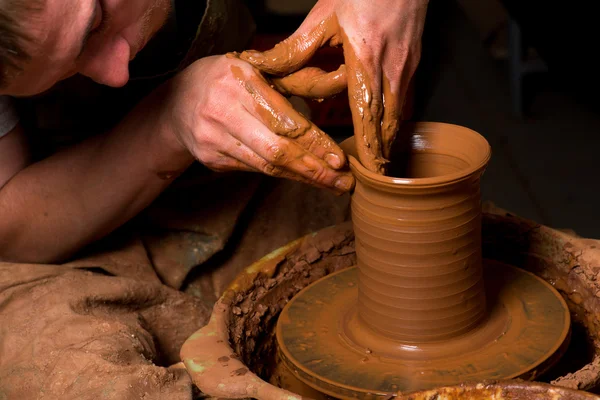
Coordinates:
<point>418,235</point>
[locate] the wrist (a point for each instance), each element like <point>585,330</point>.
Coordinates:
<point>170,157</point>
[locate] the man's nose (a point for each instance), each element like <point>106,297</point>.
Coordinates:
<point>107,61</point>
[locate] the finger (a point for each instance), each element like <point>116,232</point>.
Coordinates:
<point>391,116</point>
<point>294,52</point>
<point>364,92</point>
<point>252,162</point>
<point>279,115</point>
<point>285,158</point>
<point>399,66</point>
<point>239,157</point>
<point>312,83</point>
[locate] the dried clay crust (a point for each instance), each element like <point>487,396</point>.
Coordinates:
<point>234,355</point>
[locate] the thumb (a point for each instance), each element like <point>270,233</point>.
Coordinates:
<point>294,52</point>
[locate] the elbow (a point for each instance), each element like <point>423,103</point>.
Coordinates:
<point>15,248</point>
<point>16,257</point>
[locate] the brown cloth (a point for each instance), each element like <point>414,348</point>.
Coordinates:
<point>107,324</point>
<point>74,334</point>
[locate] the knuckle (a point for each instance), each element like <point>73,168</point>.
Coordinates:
<point>303,127</point>
<point>321,175</point>
<point>312,144</point>
<point>272,170</point>
<point>277,153</point>
<point>318,144</point>
<point>299,129</point>
<point>376,107</point>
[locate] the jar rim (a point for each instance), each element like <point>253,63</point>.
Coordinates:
<point>363,174</point>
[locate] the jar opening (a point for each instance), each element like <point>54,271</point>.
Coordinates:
<point>428,154</point>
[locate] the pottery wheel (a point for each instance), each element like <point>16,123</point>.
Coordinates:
<point>323,342</point>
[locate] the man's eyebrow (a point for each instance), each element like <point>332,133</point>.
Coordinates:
<point>88,30</point>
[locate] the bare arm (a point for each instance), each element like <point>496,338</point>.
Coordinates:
<point>53,208</point>
<point>14,154</point>
<point>220,111</point>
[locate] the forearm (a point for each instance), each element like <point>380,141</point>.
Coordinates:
<point>54,207</point>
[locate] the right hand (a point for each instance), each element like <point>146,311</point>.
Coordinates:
<point>230,118</point>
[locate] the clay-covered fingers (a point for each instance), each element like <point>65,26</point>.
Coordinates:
<point>279,115</point>
<point>366,104</point>
<point>312,83</point>
<point>400,62</point>
<point>294,52</point>
<point>283,157</point>
<point>391,117</point>
<point>269,155</point>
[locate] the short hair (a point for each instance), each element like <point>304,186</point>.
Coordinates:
<point>14,39</point>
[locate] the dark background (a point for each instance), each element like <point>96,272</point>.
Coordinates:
<point>543,124</point>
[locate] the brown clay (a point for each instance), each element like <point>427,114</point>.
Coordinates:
<point>366,113</point>
<point>242,324</point>
<point>250,307</point>
<point>366,116</point>
<point>277,113</point>
<point>418,295</point>
<point>321,339</point>
<point>312,83</point>
<point>289,55</point>
<point>419,237</point>
<point>391,118</point>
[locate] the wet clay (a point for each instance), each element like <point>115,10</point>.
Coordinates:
<point>251,306</point>
<point>374,137</point>
<point>310,150</point>
<point>312,83</point>
<point>242,324</point>
<point>414,314</point>
<point>418,238</point>
<point>330,354</point>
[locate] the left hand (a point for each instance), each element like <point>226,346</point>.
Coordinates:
<point>382,48</point>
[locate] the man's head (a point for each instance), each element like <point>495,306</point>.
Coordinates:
<point>45,41</point>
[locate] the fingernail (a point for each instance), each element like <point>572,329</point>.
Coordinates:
<point>333,160</point>
<point>344,183</point>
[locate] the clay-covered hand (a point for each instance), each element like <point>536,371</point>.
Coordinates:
<point>229,117</point>
<point>382,48</point>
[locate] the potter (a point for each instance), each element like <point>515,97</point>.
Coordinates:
<point>115,117</point>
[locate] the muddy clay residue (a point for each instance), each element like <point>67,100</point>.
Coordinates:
<point>569,263</point>
<point>349,361</point>
<point>312,83</point>
<point>418,239</point>
<point>554,255</point>
<point>413,314</point>
<point>499,390</point>
<point>242,326</point>
<point>374,137</point>
<point>309,148</point>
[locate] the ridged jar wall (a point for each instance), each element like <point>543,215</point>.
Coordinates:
<point>418,238</point>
